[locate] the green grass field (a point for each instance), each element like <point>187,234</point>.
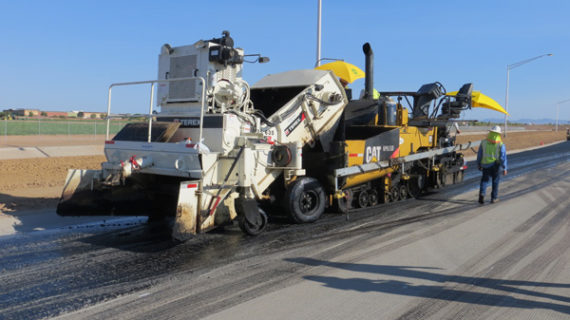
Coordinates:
<point>48,126</point>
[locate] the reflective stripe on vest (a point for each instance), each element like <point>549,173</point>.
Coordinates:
<point>491,152</point>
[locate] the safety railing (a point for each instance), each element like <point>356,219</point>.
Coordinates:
<point>151,107</point>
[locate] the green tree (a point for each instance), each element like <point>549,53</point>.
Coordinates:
<point>30,114</point>
<point>43,114</point>
<point>93,116</point>
<point>80,114</point>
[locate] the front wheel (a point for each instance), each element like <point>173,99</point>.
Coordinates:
<point>305,200</point>
<point>250,228</point>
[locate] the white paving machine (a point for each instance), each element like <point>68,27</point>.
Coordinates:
<point>215,146</point>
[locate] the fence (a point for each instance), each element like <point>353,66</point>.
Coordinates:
<point>42,126</point>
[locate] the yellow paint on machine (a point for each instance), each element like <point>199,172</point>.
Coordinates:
<point>411,139</point>
<point>365,177</point>
<point>414,138</point>
<point>355,149</point>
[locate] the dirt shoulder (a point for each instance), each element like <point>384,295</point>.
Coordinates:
<point>518,140</point>
<point>51,140</point>
<point>27,184</point>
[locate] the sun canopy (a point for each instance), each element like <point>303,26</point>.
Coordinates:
<point>344,70</point>
<point>480,100</point>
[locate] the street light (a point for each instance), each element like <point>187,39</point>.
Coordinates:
<point>319,11</point>
<point>558,110</point>
<point>509,68</point>
<point>326,59</point>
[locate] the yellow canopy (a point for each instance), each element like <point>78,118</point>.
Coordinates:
<point>482,101</point>
<point>344,70</point>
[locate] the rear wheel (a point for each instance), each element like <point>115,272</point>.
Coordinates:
<point>305,200</point>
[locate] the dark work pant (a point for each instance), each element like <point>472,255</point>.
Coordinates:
<point>490,173</point>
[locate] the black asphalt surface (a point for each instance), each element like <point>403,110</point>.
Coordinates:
<point>48,273</point>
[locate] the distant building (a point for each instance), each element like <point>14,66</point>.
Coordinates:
<point>55,114</point>
<point>89,114</point>
<point>25,112</point>
<point>58,114</point>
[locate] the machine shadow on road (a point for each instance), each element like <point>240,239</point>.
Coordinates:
<point>24,210</point>
<point>29,214</point>
<point>459,290</point>
<point>10,204</point>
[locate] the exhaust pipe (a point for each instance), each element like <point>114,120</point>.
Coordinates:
<point>369,78</point>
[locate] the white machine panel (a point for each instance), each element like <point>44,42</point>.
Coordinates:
<point>184,96</point>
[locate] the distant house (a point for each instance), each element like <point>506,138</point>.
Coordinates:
<point>26,112</point>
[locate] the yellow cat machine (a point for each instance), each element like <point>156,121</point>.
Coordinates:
<point>380,153</point>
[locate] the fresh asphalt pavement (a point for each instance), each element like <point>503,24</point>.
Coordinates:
<point>442,256</point>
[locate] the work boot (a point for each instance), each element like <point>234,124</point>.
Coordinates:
<point>481,199</point>
<point>494,200</point>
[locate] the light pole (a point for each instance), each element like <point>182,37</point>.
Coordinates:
<point>509,68</point>
<point>558,110</point>
<point>319,9</point>
<point>318,63</point>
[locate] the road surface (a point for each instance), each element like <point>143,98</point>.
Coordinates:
<point>439,257</point>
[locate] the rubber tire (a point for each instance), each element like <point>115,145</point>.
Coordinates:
<point>404,191</point>
<point>373,197</point>
<point>342,205</point>
<point>415,186</point>
<point>394,194</point>
<point>298,193</point>
<point>250,229</point>
<point>363,199</point>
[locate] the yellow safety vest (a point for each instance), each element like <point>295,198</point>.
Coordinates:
<point>491,151</point>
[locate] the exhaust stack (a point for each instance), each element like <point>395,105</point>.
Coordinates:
<point>369,79</point>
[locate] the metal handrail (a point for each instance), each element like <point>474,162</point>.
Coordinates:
<point>150,115</point>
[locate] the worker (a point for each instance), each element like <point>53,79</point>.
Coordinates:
<point>456,128</point>
<point>491,157</point>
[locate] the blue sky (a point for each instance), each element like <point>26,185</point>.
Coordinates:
<point>64,54</point>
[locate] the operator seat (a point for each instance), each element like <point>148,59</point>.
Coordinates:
<point>452,109</point>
